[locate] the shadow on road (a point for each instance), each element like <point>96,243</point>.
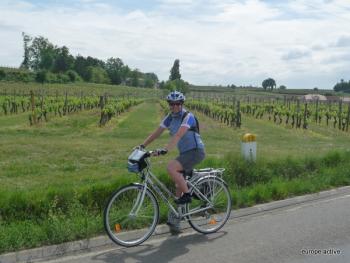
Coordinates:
<point>172,247</point>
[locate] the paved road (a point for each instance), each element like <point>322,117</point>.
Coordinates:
<point>316,231</point>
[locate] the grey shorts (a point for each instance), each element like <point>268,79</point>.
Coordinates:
<point>190,158</point>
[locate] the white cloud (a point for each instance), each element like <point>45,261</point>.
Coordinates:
<point>296,54</point>
<point>343,41</point>
<point>176,2</point>
<point>220,42</point>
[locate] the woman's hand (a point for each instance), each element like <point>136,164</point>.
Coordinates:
<point>161,151</point>
<point>139,147</point>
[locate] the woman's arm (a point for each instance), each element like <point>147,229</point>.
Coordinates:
<point>154,135</point>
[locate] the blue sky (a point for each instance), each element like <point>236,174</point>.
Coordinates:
<point>299,43</point>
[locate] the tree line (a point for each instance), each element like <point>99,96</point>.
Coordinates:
<point>342,86</point>
<point>267,84</point>
<point>46,62</point>
<point>55,64</point>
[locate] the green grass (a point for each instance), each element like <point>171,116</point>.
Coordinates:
<point>68,149</point>
<point>55,177</point>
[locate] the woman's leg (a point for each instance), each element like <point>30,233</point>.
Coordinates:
<point>174,167</point>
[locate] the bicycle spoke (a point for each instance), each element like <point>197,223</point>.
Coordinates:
<point>219,206</point>
<point>216,193</point>
<point>119,220</point>
<point>131,208</point>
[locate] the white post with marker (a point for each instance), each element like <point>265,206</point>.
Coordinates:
<point>249,147</point>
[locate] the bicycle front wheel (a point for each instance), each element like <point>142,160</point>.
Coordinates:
<point>131,215</point>
<point>210,206</point>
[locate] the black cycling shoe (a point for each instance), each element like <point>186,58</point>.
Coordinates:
<point>184,199</point>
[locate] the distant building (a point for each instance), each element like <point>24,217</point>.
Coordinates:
<point>333,98</point>
<point>346,99</point>
<point>313,97</point>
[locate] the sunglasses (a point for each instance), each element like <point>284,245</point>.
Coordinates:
<point>175,104</point>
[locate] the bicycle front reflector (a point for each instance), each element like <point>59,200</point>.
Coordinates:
<point>212,222</point>
<point>117,228</point>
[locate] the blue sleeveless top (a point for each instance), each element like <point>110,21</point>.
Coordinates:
<point>191,140</point>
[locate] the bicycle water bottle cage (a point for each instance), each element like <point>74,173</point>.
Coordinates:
<point>136,161</point>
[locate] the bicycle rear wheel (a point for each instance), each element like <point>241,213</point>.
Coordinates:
<point>131,215</point>
<point>213,200</point>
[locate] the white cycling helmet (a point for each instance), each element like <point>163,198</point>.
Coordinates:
<point>175,96</point>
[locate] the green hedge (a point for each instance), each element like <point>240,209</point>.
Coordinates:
<point>22,75</point>
<point>22,205</point>
<point>242,173</point>
<point>9,74</point>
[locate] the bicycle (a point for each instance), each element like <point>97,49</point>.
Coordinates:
<point>132,212</point>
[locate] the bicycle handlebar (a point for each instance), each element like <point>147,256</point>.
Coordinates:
<point>156,152</point>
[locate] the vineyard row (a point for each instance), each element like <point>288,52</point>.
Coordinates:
<point>40,108</point>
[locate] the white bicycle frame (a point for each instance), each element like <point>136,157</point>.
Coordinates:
<point>151,181</point>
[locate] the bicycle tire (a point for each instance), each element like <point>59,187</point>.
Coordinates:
<point>215,217</point>
<point>124,227</point>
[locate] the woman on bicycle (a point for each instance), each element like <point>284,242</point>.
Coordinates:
<point>184,132</point>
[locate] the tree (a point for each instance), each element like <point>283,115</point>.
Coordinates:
<point>342,86</point>
<point>73,76</point>
<point>152,76</point>
<point>264,84</point>
<point>170,85</point>
<point>41,54</point>
<point>80,66</point>
<point>135,78</point>
<point>150,80</point>
<point>114,69</point>
<point>283,87</point>
<point>83,66</point>
<point>175,71</point>
<point>26,41</point>
<point>63,60</point>
<point>175,82</point>
<point>95,62</point>
<point>41,76</point>
<point>269,83</point>
<point>2,74</point>
<point>47,60</point>
<point>162,85</point>
<point>97,75</point>
<point>178,85</point>
<point>125,73</point>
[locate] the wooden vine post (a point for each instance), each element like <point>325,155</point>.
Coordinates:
<point>33,115</point>
<point>348,118</point>
<point>298,115</point>
<point>316,115</point>
<point>238,115</point>
<point>65,107</point>
<point>305,116</point>
<point>340,114</point>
